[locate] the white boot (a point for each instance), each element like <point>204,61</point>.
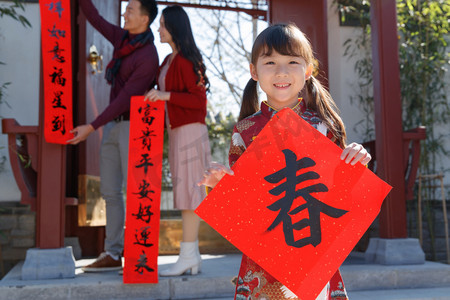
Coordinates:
<point>197,250</point>
<point>188,260</point>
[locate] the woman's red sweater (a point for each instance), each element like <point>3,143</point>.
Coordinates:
<point>187,103</point>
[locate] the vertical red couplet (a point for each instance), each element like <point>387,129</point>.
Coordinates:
<point>57,69</point>
<point>143,191</point>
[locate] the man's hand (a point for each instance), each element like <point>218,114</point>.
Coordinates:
<point>81,133</point>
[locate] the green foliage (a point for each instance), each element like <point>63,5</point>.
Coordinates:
<point>354,12</point>
<point>423,33</point>
<point>2,92</point>
<point>11,11</point>
<point>423,28</point>
<point>219,131</point>
<point>359,48</point>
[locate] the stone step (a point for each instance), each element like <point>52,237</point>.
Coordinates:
<point>359,277</point>
<point>442,293</point>
<point>430,281</point>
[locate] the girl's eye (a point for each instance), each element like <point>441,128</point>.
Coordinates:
<point>269,63</point>
<point>294,62</point>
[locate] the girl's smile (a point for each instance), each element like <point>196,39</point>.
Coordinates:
<point>281,77</point>
<point>282,85</point>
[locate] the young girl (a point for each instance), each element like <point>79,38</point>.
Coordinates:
<point>183,84</point>
<point>282,63</point>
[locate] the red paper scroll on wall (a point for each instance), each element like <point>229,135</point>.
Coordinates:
<point>293,206</point>
<point>143,191</point>
<point>57,70</point>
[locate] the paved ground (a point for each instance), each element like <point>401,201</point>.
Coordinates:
<point>430,281</point>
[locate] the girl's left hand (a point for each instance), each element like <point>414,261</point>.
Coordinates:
<point>214,174</point>
<point>354,153</point>
<point>155,95</point>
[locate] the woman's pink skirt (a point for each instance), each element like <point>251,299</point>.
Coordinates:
<point>189,157</point>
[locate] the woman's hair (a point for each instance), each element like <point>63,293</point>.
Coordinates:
<point>177,23</point>
<point>287,39</point>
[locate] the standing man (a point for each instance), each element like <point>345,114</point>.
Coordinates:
<point>132,71</point>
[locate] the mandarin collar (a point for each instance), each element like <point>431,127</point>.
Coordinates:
<point>269,111</point>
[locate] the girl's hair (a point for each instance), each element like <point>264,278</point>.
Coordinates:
<point>177,23</point>
<point>287,39</point>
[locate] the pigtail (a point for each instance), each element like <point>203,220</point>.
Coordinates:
<point>319,100</point>
<point>250,101</point>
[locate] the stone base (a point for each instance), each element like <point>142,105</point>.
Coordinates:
<point>48,264</point>
<point>75,244</point>
<point>394,252</point>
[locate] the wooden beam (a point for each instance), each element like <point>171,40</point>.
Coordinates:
<point>51,186</point>
<point>388,116</point>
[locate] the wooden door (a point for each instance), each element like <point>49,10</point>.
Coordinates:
<point>311,18</point>
<point>87,220</point>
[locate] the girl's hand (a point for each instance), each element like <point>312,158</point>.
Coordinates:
<point>354,153</point>
<point>155,95</point>
<point>214,174</point>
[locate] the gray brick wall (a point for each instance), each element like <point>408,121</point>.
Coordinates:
<point>17,234</point>
<point>433,228</point>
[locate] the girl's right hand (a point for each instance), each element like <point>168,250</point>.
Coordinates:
<point>214,174</point>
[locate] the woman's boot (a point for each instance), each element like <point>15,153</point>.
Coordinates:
<point>188,260</point>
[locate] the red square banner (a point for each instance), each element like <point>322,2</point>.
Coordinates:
<point>293,206</point>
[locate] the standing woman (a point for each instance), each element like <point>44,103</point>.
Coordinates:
<point>182,83</point>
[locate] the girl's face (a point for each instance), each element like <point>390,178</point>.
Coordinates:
<point>281,77</point>
<point>164,34</point>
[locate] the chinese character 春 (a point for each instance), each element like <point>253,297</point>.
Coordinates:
<point>312,205</point>
<point>142,264</point>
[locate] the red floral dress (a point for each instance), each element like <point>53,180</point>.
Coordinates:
<point>253,281</point>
